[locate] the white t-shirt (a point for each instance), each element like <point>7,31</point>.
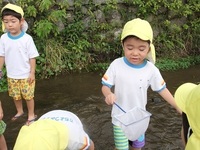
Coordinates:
<point>131,83</point>
<point>78,139</point>
<point>17,52</point>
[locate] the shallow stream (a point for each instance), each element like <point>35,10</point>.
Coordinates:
<point>81,94</point>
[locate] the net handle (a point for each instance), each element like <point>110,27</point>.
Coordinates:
<point>119,107</point>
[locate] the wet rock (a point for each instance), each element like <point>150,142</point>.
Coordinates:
<point>103,108</point>
<point>156,100</point>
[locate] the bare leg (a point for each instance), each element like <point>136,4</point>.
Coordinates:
<point>19,107</point>
<point>131,148</point>
<point>30,107</point>
<point>91,145</point>
<point>3,145</point>
<point>135,148</point>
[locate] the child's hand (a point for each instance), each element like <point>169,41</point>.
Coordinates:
<point>1,112</point>
<point>1,115</point>
<point>31,78</point>
<point>110,99</point>
<point>1,74</point>
<point>179,110</point>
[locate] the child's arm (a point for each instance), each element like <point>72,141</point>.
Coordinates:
<point>110,97</point>
<point>169,98</point>
<point>32,70</point>
<point>1,111</point>
<point>1,62</point>
<point>1,65</point>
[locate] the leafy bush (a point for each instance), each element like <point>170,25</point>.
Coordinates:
<point>81,35</point>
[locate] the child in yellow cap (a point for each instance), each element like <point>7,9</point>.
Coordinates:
<point>131,76</point>
<point>18,52</point>
<point>187,98</point>
<point>55,130</point>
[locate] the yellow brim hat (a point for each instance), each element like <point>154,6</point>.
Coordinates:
<point>182,93</point>
<point>44,134</point>
<point>13,7</point>
<point>152,54</point>
<point>187,98</point>
<point>141,29</point>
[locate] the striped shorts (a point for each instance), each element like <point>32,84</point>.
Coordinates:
<point>122,143</point>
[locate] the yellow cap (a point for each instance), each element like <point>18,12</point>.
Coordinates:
<point>13,7</point>
<point>44,134</point>
<point>187,98</point>
<point>141,29</point>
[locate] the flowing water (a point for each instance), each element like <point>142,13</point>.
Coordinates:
<point>81,94</point>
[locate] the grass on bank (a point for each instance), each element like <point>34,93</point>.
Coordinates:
<point>164,64</point>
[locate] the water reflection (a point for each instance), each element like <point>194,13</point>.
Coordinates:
<point>81,94</point>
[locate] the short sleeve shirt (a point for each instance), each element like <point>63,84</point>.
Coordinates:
<point>17,52</point>
<point>130,83</point>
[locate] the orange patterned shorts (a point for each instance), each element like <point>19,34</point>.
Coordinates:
<point>20,88</point>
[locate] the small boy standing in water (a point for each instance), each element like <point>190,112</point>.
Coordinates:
<point>18,51</point>
<point>131,76</point>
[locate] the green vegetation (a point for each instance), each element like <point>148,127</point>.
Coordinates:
<point>167,64</point>
<point>72,37</point>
